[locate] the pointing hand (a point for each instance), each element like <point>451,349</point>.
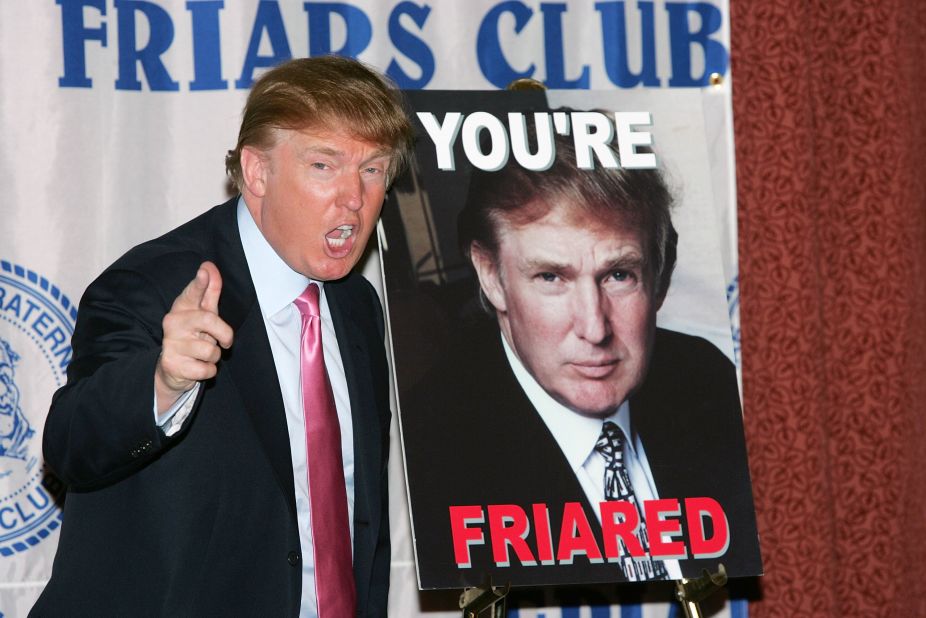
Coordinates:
<point>193,334</point>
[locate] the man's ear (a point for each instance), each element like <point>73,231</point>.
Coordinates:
<point>254,169</point>
<point>489,277</point>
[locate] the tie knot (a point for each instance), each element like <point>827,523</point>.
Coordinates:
<point>611,442</point>
<point>307,302</point>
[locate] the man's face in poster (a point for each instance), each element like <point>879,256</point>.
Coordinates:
<point>575,300</point>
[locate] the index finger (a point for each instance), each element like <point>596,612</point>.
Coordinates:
<point>192,295</point>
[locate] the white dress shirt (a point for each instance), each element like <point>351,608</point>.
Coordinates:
<point>277,286</point>
<point>576,435</point>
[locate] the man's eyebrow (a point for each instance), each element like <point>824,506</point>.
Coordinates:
<point>535,265</point>
<point>629,261</point>
<point>322,149</point>
<point>544,264</point>
<point>382,151</point>
<point>379,153</point>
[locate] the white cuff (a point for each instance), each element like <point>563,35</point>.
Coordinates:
<point>172,420</point>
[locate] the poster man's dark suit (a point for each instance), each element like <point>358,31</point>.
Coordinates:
<point>203,522</point>
<point>472,437</point>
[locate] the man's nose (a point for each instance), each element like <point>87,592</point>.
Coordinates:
<point>350,191</point>
<point>590,315</point>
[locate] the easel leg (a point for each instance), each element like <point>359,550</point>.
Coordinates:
<point>690,592</point>
<point>474,601</point>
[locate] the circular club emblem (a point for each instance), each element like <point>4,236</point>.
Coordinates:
<point>36,323</point>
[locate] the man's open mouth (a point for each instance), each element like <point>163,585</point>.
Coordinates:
<point>338,236</point>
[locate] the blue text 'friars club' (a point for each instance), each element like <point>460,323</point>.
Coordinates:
<point>139,33</point>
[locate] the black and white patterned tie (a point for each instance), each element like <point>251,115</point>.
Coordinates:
<point>617,486</point>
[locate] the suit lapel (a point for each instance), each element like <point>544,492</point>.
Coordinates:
<point>355,355</point>
<point>250,359</point>
<point>652,408</point>
<point>533,459</point>
<point>549,478</point>
<point>250,362</point>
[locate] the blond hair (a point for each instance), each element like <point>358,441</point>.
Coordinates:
<point>330,91</point>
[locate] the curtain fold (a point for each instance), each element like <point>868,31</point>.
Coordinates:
<point>831,173</point>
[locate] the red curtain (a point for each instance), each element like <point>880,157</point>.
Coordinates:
<point>828,101</point>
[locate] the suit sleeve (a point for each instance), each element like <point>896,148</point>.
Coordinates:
<point>100,427</point>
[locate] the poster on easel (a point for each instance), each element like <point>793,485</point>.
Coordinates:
<point>557,289</point>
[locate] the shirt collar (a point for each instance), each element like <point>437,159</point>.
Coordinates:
<point>275,283</point>
<point>575,434</point>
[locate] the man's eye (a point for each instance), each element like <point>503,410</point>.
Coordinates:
<point>320,166</point>
<point>549,277</point>
<point>373,170</point>
<point>622,276</point>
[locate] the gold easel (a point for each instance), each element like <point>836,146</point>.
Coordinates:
<point>690,592</point>
<point>474,601</point>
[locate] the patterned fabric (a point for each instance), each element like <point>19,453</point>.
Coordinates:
<point>617,486</point>
<point>830,127</point>
<point>334,575</point>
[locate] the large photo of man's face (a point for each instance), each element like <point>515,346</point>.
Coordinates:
<point>523,308</point>
<point>571,264</point>
<point>576,304</point>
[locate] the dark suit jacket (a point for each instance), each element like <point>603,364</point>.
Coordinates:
<point>201,523</point>
<point>471,437</point>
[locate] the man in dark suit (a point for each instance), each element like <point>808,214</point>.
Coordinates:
<point>573,265</point>
<point>184,431</point>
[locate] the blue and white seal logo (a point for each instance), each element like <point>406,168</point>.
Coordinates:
<point>36,323</point>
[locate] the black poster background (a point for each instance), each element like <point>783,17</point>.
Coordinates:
<point>470,437</point>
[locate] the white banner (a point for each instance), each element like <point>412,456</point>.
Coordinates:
<point>115,117</point>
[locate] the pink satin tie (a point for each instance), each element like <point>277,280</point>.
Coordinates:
<point>334,576</point>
